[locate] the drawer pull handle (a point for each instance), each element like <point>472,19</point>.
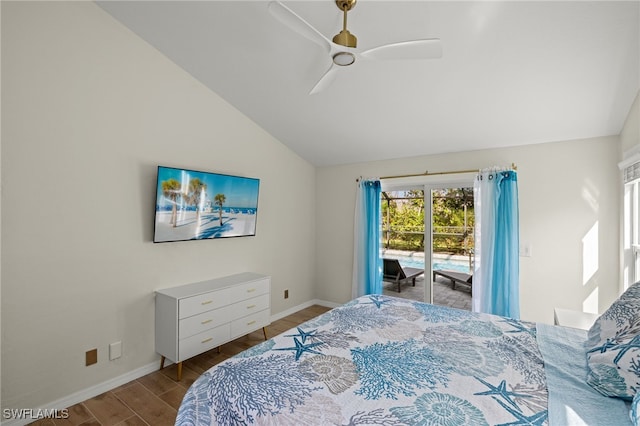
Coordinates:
<point>206,321</point>
<point>251,290</point>
<point>251,322</point>
<point>251,306</point>
<point>207,340</point>
<point>206,302</point>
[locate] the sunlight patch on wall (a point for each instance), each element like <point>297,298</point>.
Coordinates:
<point>591,194</point>
<point>590,304</point>
<point>625,273</point>
<point>590,254</point>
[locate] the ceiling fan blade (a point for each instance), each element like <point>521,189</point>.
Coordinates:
<point>326,80</point>
<point>297,24</point>
<point>416,49</point>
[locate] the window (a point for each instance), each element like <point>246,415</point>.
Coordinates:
<point>631,223</point>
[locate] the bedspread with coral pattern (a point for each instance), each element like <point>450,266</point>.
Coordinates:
<point>380,360</point>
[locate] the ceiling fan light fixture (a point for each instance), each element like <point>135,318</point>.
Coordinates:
<point>344,59</point>
<point>342,50</point>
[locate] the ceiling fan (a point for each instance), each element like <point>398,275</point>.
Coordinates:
<point>343,49</point>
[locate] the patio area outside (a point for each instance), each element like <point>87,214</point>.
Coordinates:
<point>443,293</point>
<point>403,238</point>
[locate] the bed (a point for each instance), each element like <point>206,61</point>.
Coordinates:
<point>381,360</point>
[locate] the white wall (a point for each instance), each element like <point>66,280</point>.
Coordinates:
<point>569,205</point>
<point>89,111</point>
<point>630,135</point>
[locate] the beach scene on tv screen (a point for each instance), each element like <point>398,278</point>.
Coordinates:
<point>194,205</point>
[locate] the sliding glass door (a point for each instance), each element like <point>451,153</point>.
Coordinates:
<point>432,187</point>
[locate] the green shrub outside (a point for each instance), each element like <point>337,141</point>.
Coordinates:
<point>403,220</point>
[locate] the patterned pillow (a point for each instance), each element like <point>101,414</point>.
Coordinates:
<point>613,347</point>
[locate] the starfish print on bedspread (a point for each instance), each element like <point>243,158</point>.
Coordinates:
<point>501,391</point>
<point>303,334</point>
<point>536,419</point>
<point>301,348</point>
<point>377,300</point>
<point>519,326</point>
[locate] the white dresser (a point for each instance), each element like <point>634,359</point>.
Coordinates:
<point>194,318</point>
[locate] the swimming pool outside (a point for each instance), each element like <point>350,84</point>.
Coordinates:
<point>440,261</point>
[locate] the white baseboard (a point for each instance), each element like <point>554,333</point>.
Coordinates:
<point>89,392</point>
<point>110,384</point>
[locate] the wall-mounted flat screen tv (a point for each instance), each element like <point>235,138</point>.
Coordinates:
<point>193,205</point>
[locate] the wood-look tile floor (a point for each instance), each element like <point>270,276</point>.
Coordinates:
<point>154,399</point>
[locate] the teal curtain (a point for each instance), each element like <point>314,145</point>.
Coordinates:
<point>496,273</point>
<point>367,268</point>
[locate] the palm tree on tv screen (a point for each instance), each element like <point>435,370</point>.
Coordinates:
<point>171,190</point>
<point>196,189</point>
<point>219,200</point>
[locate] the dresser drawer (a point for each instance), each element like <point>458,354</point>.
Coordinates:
<point>249,290</point>
<point>202,342</point>
<point>249,306</point>
<point>198,323</point>
<point>250,323</point>
<point>195,305</point>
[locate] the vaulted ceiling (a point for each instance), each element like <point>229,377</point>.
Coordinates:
<point>511,72</point>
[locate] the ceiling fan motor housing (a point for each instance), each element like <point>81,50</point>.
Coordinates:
<point>345,38</point>
<point>342,51</point>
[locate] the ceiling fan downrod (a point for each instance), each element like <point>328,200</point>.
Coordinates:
<point>344,37</point>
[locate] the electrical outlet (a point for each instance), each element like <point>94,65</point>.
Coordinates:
<point>91,357</point>
<point>525,249</point>
<point>115,350</point>
<point>286,294</point>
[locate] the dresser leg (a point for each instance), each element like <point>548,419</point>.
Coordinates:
<point>264,331</point>
<point>179,375</point>
<point>180,371</point>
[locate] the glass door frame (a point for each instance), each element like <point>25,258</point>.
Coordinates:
<point>427,184</point>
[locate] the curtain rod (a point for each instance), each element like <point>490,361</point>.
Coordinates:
<point>427,173</point>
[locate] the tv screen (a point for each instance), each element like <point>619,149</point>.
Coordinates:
<point>193,205</point>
